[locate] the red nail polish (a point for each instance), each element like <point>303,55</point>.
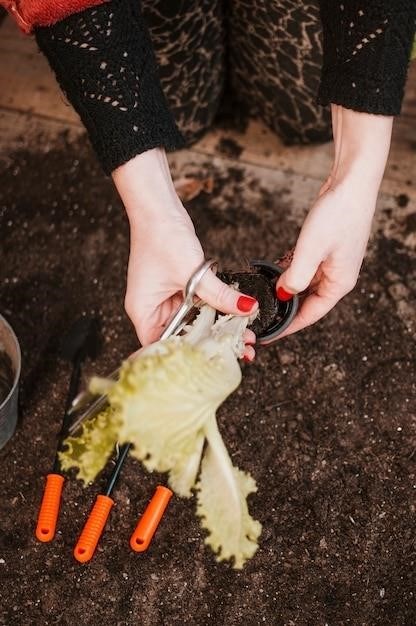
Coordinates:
<point>283,295</point>
<point>247,359</point>
<point>245,303</point>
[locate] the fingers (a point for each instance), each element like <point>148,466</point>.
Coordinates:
<point>299,275</point>
<point>149,327</point>
<point>150,324</point>
<point>224,298</point>
<point>249,354</point>
<point>150,321</point>
<point>329,292</point>
<point>249,337</point>
<point>313,309</point>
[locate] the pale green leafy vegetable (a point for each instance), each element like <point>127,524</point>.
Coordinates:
<point>90,451</point>
<point>222,493</point>
<point>165,404</point>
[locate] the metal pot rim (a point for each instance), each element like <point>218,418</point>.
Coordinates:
<point>270,337</point>
<point>16,367</point>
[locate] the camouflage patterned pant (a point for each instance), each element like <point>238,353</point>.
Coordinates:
<point>267,52</point>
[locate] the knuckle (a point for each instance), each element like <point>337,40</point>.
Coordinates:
<point>222,296</point>
<point>294,283</point>
<point>294,286</point>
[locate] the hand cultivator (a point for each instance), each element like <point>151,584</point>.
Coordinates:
<point>82,341</point>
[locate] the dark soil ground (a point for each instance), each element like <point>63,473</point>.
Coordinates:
<point>325,422</point>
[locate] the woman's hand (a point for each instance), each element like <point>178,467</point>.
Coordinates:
<point>332,242</point>
<point>165,251</point>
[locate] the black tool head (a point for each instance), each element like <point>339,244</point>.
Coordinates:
<point>82,340</point>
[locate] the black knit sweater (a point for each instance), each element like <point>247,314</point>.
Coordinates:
<point>104,62</point>
<point>367,49</point>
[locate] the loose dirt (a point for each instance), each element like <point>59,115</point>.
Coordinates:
<point>324,421</point>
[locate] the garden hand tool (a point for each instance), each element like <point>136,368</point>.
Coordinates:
<point>141,538</point>
<point>82,341</point>
<point>149,521</point>
<point>94,526</point>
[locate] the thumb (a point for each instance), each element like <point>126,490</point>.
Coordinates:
<point>224,298</point>
<point>299,274</point>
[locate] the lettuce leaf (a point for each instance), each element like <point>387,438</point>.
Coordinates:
<point>222,504</point>
<point>165,404</point>
<point>90,451</point>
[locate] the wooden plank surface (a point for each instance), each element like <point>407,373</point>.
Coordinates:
<point>23,130</point>
<point>27,83</point>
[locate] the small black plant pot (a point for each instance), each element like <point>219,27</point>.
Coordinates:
<point>285,311</point>
<point>260,282</point>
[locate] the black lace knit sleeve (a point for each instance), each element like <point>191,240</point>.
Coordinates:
<point>104,62</point>
<point>367,45</point>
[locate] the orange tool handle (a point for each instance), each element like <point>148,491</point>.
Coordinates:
<point>91,533</point>
<point>49,508</point>
<point>146,528</point>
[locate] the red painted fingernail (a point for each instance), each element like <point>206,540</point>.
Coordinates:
<point>247,359</point>
<point>283,295</point>
<point>245,303</point>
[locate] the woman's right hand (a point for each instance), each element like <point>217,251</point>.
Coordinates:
<point>165,251</point>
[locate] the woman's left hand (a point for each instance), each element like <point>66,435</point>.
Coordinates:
<point>329,252</point>
<point>332,242</point>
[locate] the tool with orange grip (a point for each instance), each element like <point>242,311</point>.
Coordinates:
<point>149,521</point>
<point>49,508</point>
<point>82,341</point>
<point>93,529</point>
<point>95,524</point>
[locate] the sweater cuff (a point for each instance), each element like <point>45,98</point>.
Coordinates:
<point>104,62</point>
<point>367,49</point>
<point>360,92</point>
